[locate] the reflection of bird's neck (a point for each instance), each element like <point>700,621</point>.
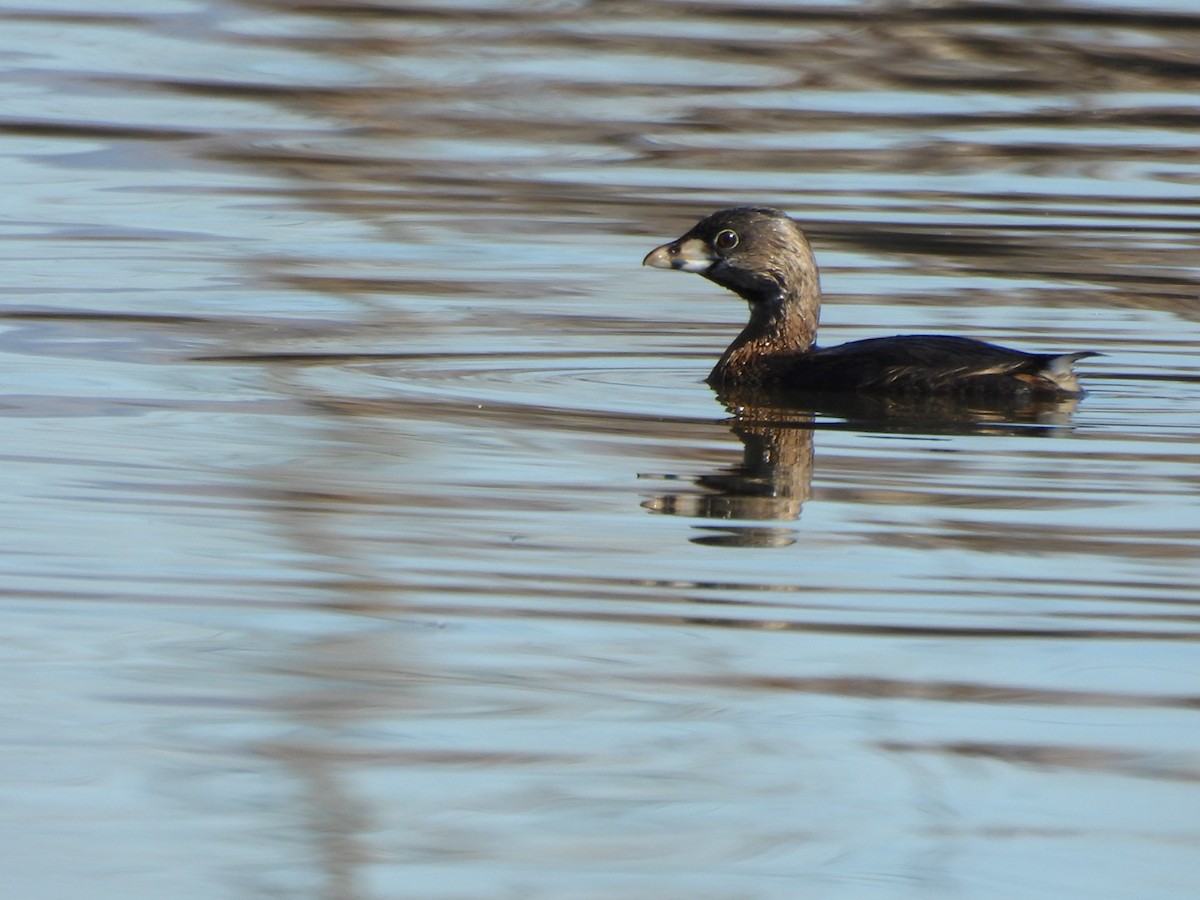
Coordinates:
<point>780,457</point>
<point>784,308</point>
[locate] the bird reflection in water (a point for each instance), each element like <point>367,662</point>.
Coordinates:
<point>774,479</point>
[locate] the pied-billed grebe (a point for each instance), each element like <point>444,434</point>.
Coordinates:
<point>763,256</point>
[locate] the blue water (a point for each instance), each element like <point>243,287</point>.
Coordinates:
<point>370,533</point>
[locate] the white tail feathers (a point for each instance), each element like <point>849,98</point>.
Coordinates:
<point>1060,370</point>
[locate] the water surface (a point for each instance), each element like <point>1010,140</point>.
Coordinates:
<point>370,533</point>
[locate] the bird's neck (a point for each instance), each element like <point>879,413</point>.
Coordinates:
<point>780,326</point>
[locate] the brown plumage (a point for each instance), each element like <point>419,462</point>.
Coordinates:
<point>763,256</point>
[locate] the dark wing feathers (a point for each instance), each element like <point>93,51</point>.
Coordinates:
<point>929,362</point>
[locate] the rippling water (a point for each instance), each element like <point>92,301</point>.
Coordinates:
<point>369,531</point>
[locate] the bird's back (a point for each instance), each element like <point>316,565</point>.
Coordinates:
<point>927,364</point>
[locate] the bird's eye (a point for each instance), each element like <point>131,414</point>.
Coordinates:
<point>725,240</point>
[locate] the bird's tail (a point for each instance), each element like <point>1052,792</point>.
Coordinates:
<point>1061,370</point>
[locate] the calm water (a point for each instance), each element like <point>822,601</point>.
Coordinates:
<point>369,533</point>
